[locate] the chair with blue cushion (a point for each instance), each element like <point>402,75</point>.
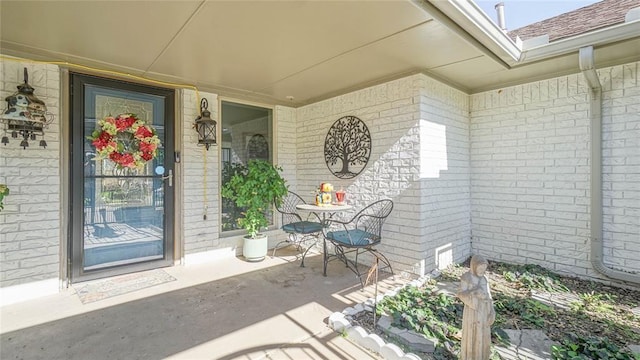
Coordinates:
<point>299,231</point>
<point>357,235</point>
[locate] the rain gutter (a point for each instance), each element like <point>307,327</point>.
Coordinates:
<point>612,34</point>
<point>470,22</point>
<point>496,44</point>
<point>587,66</point>
<point>487,27</point>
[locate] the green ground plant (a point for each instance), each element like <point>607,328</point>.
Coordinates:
<point>591,301</point>
<point>437,315</point>
<point>532,312</point>
<point>600,310</point>
<point>531,277</point>
<point>575,347</point>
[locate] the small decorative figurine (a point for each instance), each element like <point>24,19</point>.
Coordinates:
<point>478,314</point>
<point>324,194</point>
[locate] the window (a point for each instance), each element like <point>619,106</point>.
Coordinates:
<point>246,135</point>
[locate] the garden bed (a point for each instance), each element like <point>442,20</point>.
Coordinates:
<point>586,319</point>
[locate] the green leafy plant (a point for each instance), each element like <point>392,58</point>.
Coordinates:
<point>533,277</point>
<point>532,312</point>
<point>4,191</point>
<point>254,188</point>
<point>605,313</point>
<point>576,347</point>
<point>598,302</point>
<point>437,315</point>
<point>510,276</point>
<point>230,211</point>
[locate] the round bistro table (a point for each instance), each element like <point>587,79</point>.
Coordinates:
<point>325,210</point>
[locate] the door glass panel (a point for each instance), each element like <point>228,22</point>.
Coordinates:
<point>123,208</point>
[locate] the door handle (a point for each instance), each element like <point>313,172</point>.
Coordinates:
<point>170,177</point>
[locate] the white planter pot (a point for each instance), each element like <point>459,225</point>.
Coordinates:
<point>255,249</point>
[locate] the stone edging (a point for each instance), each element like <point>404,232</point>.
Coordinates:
<point>341,322</point>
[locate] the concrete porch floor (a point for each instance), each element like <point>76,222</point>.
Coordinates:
<point>229,309</point>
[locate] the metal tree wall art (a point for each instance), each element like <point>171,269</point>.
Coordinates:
<point>258,147</point>
<point>347,147</point>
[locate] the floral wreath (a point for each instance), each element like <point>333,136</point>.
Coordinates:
<point>126,140</point>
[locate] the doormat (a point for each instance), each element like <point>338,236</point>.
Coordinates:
<point>119,285</point>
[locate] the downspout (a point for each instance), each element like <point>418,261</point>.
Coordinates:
<point>587,66</point>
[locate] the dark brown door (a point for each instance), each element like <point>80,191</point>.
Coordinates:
<point>121,219</point>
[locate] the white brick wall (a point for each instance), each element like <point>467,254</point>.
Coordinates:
<point>285,122</point>
<point>198,234</point>
<point>446,207</point>
<point>621,165</point>
<point>30,231</point>
<point>526,191</point>
<point>399,114</point>
<point>530,172</point>
<point>286,153</point>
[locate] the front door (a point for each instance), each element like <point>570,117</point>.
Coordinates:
<point>121,217</point>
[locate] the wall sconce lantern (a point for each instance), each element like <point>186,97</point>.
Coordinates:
<point>26,116</point>
<point>205,126</point>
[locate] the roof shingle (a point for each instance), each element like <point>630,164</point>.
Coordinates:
<point>599,15</point>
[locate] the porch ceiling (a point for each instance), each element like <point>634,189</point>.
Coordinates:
<point>268,50</point>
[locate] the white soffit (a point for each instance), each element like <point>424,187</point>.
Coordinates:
<point>251,45</point>
<point>614,45</point>
<point>386,59</point>
<point>468,74</point>
<point>493,77</point>
<point>267,50</point>
<point>107,31</point>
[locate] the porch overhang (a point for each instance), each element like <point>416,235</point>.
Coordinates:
<point>295,53</point>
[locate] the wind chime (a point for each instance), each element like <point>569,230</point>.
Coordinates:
<point>25,116</point>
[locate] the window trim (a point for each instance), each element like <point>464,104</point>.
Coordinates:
<point>274,160</point>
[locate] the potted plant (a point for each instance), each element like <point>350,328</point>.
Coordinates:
<point>254,188</point>
<point>4,191</point>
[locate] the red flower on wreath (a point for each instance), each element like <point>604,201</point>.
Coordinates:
<point>123,123</point>
<point>147,156</point>
<point>103,140</point>
<point>147,147</point>
<point>126,140</point>
<point>143,132</point>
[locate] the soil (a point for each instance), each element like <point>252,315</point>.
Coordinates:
<point>591,309</point>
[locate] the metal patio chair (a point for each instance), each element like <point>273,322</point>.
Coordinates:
<point>357,235</point>
<point>299,231</point>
